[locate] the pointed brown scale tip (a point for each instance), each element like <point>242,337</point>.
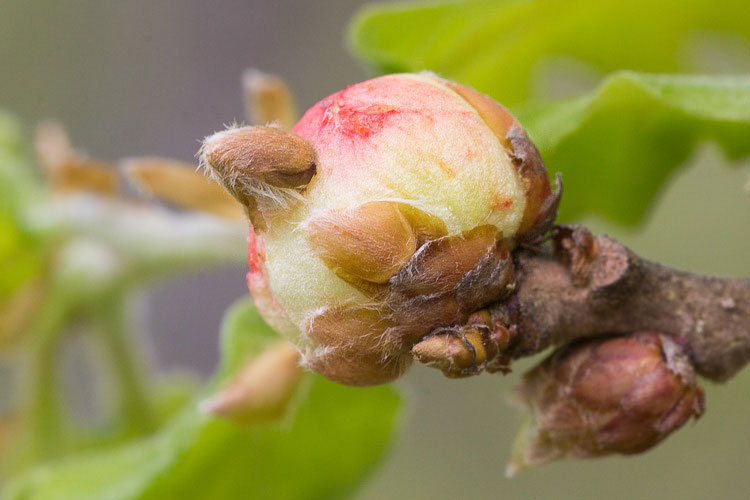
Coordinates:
<point>426,227</point>
<point>491,279</point>
<point>251,162</point>
<point>541,201</point>
<point>178,183</point>
<point>419,316</point>
<point>440,264</point>
<point>576,247</point>
<point>268,99</point>
<point>372,241</point>
<point>350,347</point>
<point>262,389</point>
<point>546,214</point>
<point>447,280</point>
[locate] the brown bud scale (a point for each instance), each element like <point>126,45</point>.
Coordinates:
<point>372,241</point>
<point>260,166</point>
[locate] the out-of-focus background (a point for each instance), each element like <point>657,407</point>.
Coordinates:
<point>143,77</point>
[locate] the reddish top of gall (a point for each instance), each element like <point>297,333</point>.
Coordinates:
<point>362,110</point>
<point>361,121</point>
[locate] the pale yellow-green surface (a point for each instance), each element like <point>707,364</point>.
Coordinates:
<point>435,153</point>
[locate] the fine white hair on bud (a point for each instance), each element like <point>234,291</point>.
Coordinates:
<point>388,211</point>
<point>262,167</point>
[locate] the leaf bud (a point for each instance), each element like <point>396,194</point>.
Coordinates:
<point>620,395</point>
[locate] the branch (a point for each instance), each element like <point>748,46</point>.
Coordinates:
<point>598,286</point>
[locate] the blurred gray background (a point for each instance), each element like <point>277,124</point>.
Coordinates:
<point>154,77</point>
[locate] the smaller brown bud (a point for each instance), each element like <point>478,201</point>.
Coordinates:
<point>261,391</point>
<point>466,350</point>
<point>599,397</point>
<point>458,353</point>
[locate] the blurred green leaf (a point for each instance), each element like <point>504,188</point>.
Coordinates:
<point>498,46</point>
<point>20,255</point>
<point>336,436</point>
<point>17,179</point>
<point>244,333</point>
<point>617,146</point>
<point>20,249</point>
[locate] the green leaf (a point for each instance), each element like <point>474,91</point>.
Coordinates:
<point>499,46</point>
<point>20,247</point>
<point>17,179</point>
<point>21,255</point>
<point>244,333</point>
<point>616,147</point>
<point>336,436</point>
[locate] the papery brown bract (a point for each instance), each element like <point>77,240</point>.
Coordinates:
<point>372,241</point>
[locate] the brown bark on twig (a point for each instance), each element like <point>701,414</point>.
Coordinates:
<point>598,286</point>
